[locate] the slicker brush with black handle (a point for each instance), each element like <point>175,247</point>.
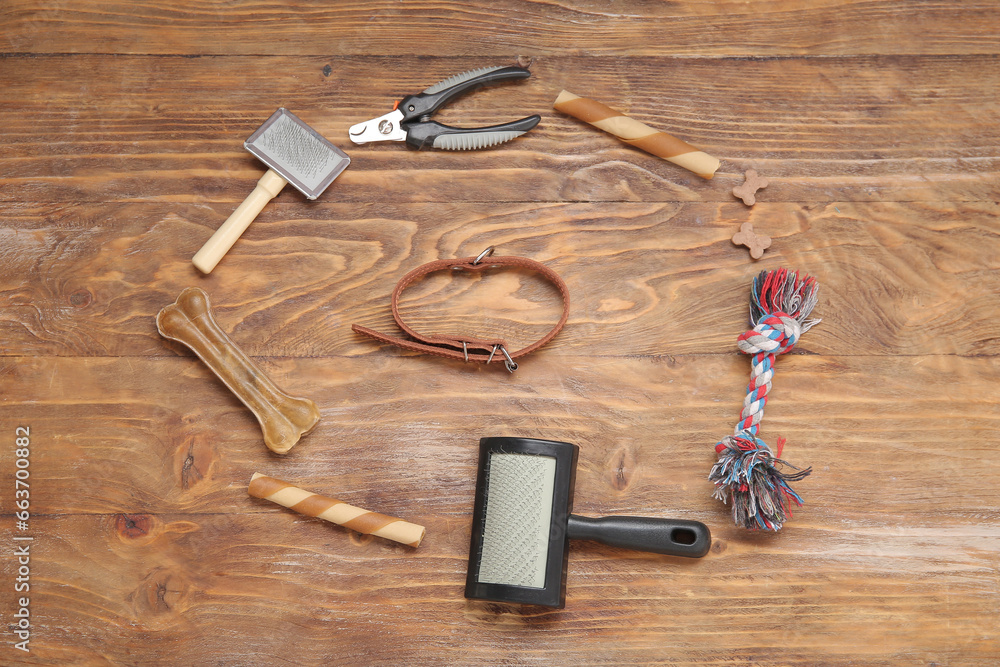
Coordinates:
<point>522,524</point>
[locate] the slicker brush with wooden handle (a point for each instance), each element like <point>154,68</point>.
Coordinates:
<point>296,154</point>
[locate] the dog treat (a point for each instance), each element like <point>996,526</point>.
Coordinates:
<point>637,134</point>
<point>757,243</point>
<point>748,191</point>
<point>335,511</point>
<point>283,418</point>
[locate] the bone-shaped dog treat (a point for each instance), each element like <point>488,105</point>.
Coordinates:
<point>283,418</point>
<point>748,191</point>
<point>757,243</point>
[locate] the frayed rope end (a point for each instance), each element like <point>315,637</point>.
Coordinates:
<point>747,475</point>
<point>783,291</point>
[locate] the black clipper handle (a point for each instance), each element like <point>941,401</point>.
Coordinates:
<point>437,135</point>
<point>425,103</point>
<point>675,537</point>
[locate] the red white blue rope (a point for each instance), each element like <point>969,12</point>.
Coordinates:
<point>746,474</point>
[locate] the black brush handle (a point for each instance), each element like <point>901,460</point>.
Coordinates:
<point>675,537</point>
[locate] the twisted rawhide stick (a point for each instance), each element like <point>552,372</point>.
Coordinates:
<point>746,471</point>
<point>283,418</point>
<point>640,135</point>
<point>335,511</point>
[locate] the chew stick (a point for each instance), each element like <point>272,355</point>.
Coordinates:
<point>335,511</point>
<point>637,134</point>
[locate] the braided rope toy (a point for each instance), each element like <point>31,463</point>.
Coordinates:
<point>746,471</point>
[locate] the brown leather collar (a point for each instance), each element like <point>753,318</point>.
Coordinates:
<point>463,348</point>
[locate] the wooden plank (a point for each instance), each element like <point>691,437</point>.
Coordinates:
<point>465,27</point>
<point>190,587</point>
<point>93,128</point>
<point>162,435</point>
<point>133,541</point>
<point>877,124</point>
<point>644,279</point>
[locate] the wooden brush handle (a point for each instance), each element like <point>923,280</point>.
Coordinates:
<point>335,511</point>
<point>268,187</point>
<point>283,418</point>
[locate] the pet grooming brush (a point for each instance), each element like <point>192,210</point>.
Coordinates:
<point>522,524</point>
<point>296,154</point>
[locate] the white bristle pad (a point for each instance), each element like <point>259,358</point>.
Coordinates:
<point>518,519</point>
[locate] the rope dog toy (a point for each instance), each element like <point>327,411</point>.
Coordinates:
<point>746,472</point>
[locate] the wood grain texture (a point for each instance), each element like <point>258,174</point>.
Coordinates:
<point>166,435</point>
<point>145,526</point>
<point>89,279</point>
<point>168,579</point>
<point>466,27</point>
<point>98,128</point>
<point>876,124</point>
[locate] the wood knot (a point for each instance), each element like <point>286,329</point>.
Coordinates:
<point>160,598</point>
<point>757,243</point>
<point>494,608</point>
<point>81,298</point>
<point>133,526</point>
<point>748,191</point>
<point>505,614</point>
<point>621,468</point>
<point>718,547</point>
<point>327,71</point>
<point>359,539</point>
<point>195,457</point>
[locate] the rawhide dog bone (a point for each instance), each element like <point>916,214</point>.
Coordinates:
<point>283,418</point>
<point>335,511</point>
<point>637,134</point>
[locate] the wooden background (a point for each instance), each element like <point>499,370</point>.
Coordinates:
<point>877,123</point>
